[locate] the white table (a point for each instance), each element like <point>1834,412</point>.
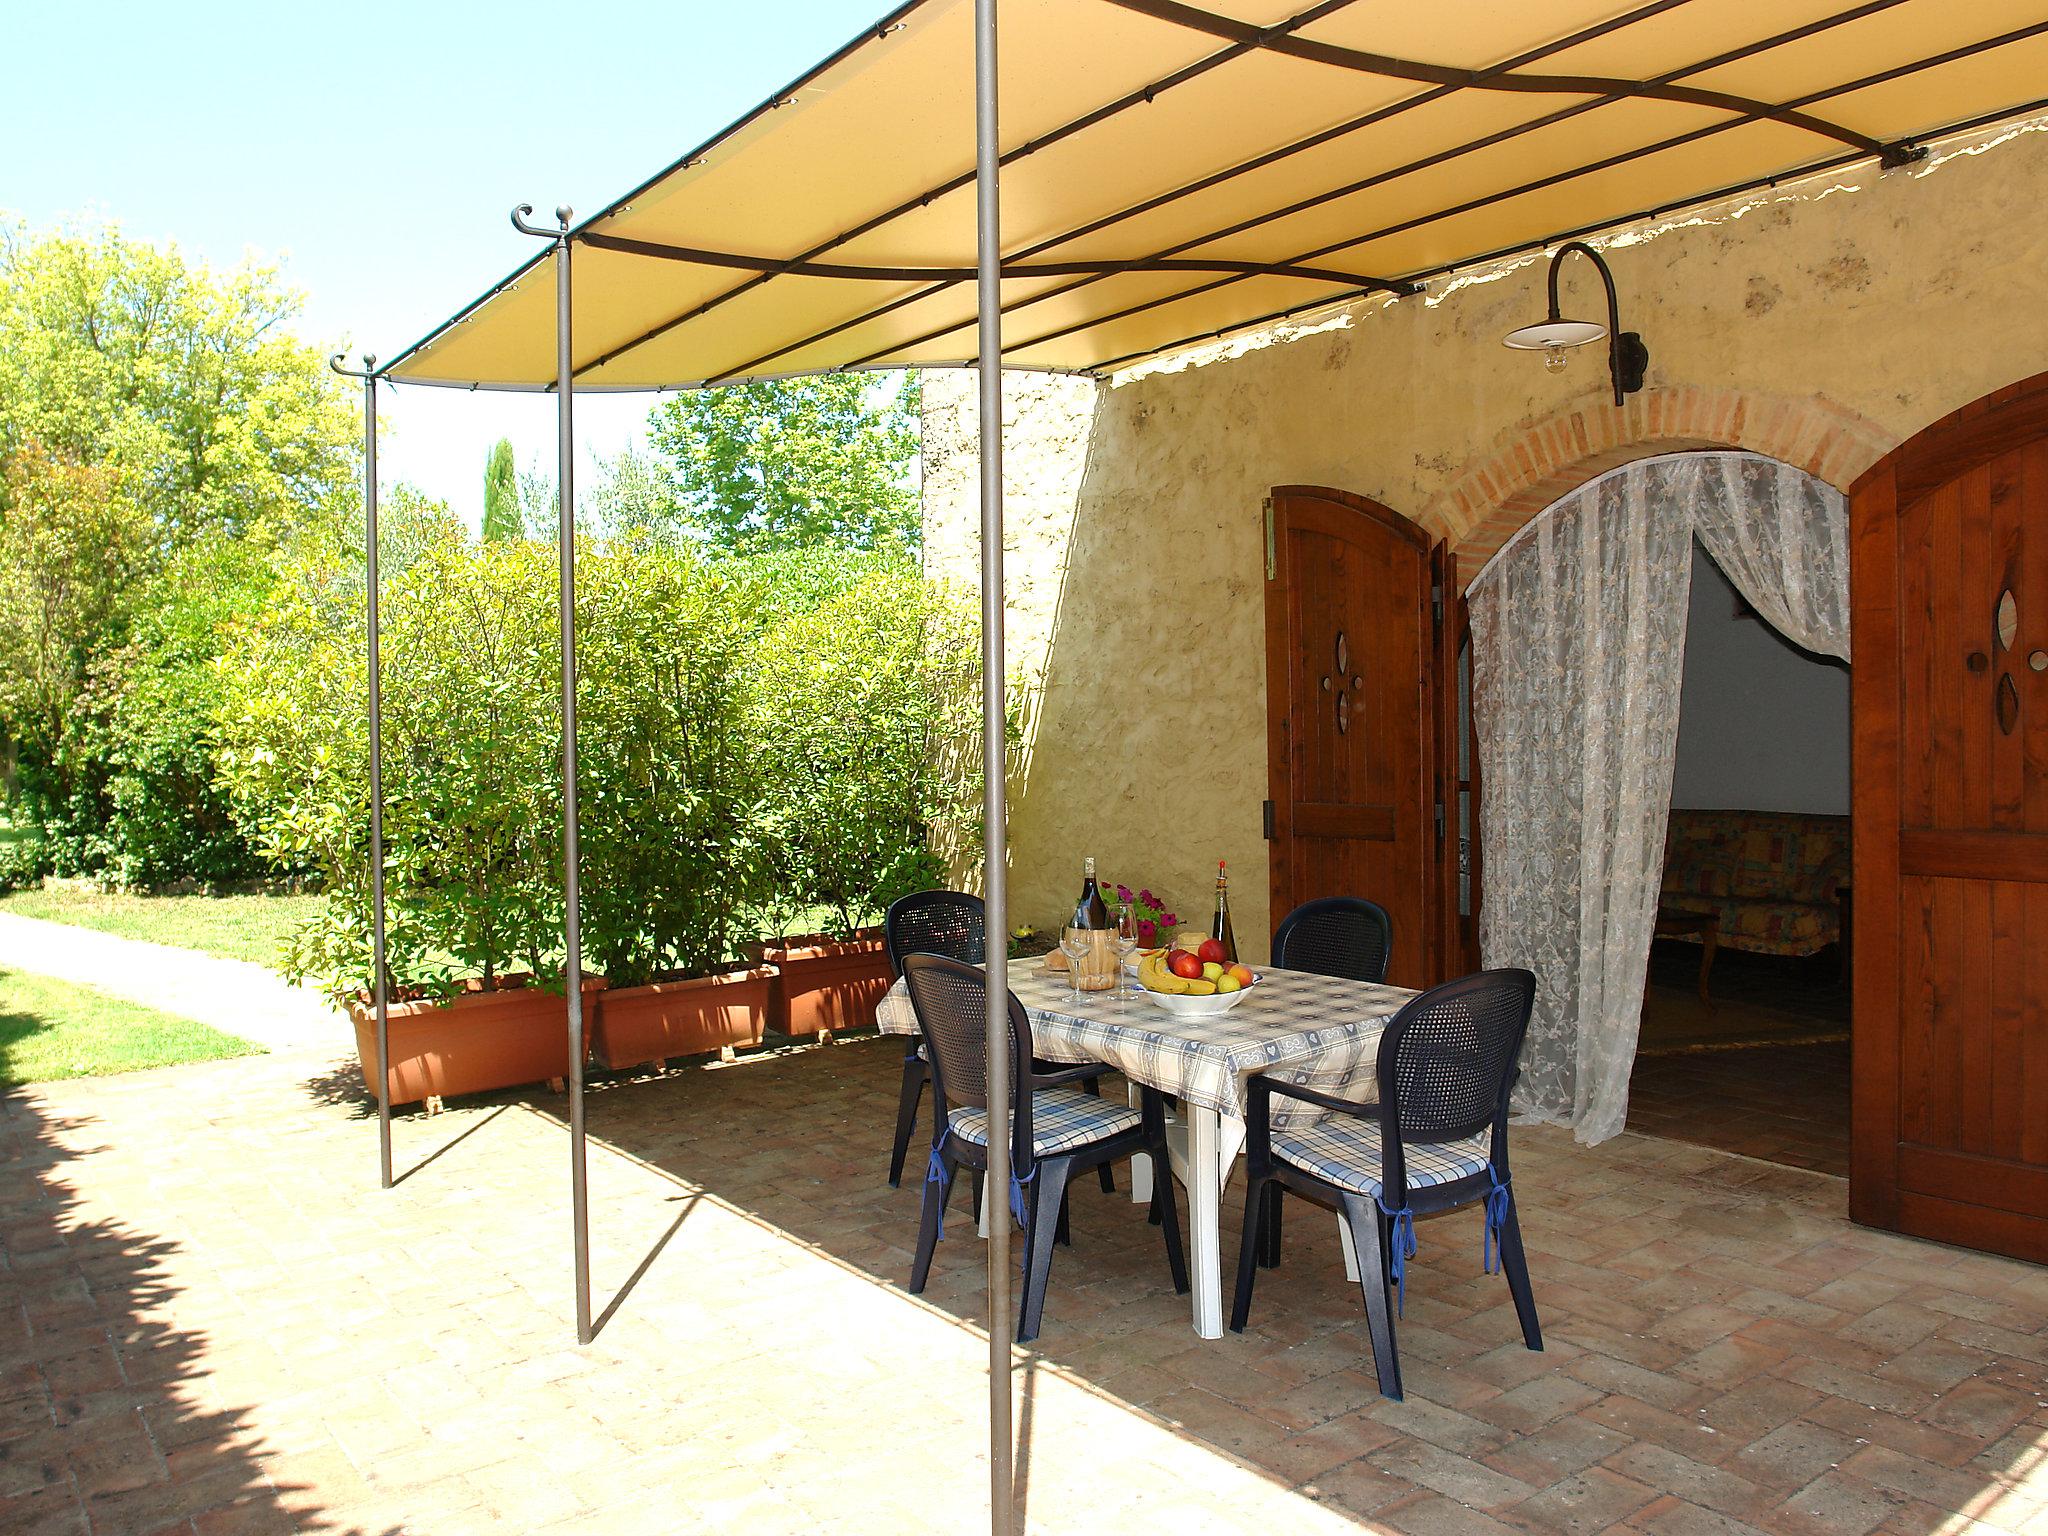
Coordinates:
<point>1317,1030</point>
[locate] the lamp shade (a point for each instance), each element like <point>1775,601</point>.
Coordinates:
<point>1549,334</point>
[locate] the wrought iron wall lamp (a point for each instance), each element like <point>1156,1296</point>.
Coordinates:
<point>1627,356</point>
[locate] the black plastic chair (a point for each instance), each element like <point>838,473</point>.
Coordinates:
<point>1057,1130</point>
<point>953,924</point>
<point>1336,936</point>
<point>1437,1139</point>
<point>950,923</point>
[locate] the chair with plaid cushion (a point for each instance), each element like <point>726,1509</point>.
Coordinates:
<point>1057,1130</point>
<point>927,923</point>
<point>1336,936</point>
<point>951,923</point>
<point>1435,1140</point>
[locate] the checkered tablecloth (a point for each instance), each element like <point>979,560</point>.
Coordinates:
<point>1316,1030</point>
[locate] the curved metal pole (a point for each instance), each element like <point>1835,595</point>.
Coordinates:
<point>989,307</point>
<point>380,988</point>
<point>1613,306</point>
<point>572,900</point>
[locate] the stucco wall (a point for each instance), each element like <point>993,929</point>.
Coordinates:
<point>1821,323</point>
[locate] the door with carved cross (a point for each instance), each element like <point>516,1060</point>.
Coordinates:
<point>1949,618</point>
<point>1351,662</point>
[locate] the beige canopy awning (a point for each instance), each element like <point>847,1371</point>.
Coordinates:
<point>1173,172</point>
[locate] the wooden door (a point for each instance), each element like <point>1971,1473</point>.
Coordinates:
<point>1949,610</point>
<point>1350,700</point>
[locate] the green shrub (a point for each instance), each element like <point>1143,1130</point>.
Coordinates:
<point>750,750</point>
<point>866,708</point>
<point>24,856</point>
<point>472,817</point>
<point>675,871</point>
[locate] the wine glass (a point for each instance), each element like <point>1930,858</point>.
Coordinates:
<point>1075,944</point>
<point>1126,946</point>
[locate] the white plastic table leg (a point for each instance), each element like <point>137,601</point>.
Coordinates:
<point>1206,1165</point>
<point>1141,1164</point>
<point>987,1205</point>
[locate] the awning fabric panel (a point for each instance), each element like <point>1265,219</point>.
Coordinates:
<point>1177,153</point>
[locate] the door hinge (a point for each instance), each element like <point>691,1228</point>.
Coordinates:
<point>1269,821</point>
<point>1439,820</point>
<point>1272,557</point>
<point>1436,608</point>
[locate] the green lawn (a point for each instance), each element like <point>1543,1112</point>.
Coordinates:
<point>236,927</point>
<point>53,1029</point>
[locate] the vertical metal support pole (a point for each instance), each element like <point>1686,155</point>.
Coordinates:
<point>994,755</point>
<point>380,968</point>
<point>572,897</point>
<point>380,983</point>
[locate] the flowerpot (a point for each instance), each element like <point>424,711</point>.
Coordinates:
<point>481,1039</point>
<point>682,1018</point>
<point>828,984</point>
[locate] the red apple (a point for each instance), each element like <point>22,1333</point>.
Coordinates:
<point>1185,963</point>
<point>1212,950</point>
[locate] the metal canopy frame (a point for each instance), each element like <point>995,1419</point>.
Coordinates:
<point>992,266</point>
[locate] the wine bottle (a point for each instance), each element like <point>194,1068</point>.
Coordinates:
<point>1091,911</point>
<point>1219,928</point>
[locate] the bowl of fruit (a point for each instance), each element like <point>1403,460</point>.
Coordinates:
<point>1195,980</point>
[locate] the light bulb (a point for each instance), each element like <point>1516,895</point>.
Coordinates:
<point>1554,359</point>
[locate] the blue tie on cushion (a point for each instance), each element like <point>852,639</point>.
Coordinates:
<point>935,1171</point>
<point>1496,1217</point>
<point>1402,1248</point>
<point>1017,1193</point>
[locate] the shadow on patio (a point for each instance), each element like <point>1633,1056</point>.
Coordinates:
<point>107,1420</point>
<point>1721,1340</point>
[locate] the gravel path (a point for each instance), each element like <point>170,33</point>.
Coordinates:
<point>232,995</point>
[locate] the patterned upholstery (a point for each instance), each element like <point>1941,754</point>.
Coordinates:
<point>1770,877</point>
<point>1061,1119</point>
<point>1346,1152</point>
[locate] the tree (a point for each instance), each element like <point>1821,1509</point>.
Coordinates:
<point>164,813</point>
<point>502,516</point>
<point>793,462</point>
<point>630,497</point>
<point>72,543</point>
<point>183,380</point>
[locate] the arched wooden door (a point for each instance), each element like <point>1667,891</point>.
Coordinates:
<point>1353,601</point>
<point>1949,605</point>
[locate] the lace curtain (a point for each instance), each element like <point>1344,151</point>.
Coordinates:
<point>1783,538</point>
<point>1578,646</point>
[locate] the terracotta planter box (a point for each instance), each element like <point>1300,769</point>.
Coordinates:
<point>828,984</point>
<point>682,1018</point>
<point>480,1040</point>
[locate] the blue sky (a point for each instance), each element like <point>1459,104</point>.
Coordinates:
<point>375,147</point>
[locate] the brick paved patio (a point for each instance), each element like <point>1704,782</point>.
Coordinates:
<point>216,1324</point>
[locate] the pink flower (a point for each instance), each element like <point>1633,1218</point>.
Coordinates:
<point>1147,931</point>
<point>1123,893</point>
<point>1148,898</point>
<point>1170,920</point>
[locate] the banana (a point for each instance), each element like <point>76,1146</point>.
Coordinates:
<point>1157,978</point>
<point>1199,988</point>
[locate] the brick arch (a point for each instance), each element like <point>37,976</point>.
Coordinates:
<point>1495,496</point>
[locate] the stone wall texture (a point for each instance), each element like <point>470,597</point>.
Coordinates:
<point>1819,323</point>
